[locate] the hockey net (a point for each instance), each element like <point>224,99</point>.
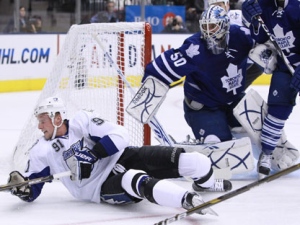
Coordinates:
<point>85,79</point>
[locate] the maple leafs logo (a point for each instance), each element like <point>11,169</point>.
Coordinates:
<point>233,80</point>
<point>285,41</point>
<point>192,50</point>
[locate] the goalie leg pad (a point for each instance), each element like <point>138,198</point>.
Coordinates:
<point>250,112</point>
<point>227,158</point>
<point>285,155</point>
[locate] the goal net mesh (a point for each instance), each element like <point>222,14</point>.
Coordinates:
<point>85,78</point>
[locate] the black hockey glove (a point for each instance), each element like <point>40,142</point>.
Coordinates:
<point>23,192</point>
<point>81,163</point>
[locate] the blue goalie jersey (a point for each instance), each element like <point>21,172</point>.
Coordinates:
<point>284,24</point>
<point>213,80</point>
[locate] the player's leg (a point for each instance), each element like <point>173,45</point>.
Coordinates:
<point>136,185</point>
<point>265,129</point>
<point>281,101</point>
<point>172,162</point>
<point>207,121</point>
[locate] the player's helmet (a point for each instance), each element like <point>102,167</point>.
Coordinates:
<point>51,105</point>
<point>217,1</point>
<point>214,26</point>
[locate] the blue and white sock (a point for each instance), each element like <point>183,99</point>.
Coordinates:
<point>271,133</point>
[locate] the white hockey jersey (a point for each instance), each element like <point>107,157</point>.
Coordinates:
<point>84,130</point>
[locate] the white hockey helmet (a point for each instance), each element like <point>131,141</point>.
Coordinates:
<point>217,1</point>
<point>51,106</point>
<point>214,26</point>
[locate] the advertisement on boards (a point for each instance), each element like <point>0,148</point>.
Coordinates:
<point>27,56</point>
<point>157,16</point>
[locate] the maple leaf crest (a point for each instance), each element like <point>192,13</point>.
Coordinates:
<point>285,41</point>
<point>192,50</point>
<point>233,80</point>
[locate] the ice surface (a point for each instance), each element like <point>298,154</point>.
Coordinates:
<point>276,203</point>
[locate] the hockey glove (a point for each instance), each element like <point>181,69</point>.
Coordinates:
<point>86,159</point>
<point>295,81</point>
<point>23,192</point>
<point>250,9</point>
<point>265,56</point>
<point>81,163</point>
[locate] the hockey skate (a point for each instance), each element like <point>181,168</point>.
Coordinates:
<point>220,185</point>
<point>264,165</point>
<point>193,199</point>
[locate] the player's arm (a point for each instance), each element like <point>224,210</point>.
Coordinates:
<point>250,10</point>
<point>109,138</point>
<point>167,69</point>
<point>27,193</point>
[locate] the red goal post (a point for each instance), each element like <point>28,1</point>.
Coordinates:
<point>83,77</point>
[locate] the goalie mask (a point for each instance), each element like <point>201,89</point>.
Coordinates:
<point>51,106</point>
<point>214,26</point>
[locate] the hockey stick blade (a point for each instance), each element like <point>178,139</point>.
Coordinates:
<point>35,181</point>
<point>229,195</point>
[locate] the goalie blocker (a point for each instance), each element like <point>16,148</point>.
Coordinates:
<point>147,100</point>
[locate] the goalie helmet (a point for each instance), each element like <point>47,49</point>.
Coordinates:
<point>51,106</point>
<point>214,26</point>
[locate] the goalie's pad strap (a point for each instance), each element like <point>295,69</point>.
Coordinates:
<point>227,158</point>
<point>147,100</point>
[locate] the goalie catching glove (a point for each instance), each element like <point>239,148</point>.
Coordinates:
<point>23,192</point>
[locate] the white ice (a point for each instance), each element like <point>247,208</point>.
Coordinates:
<point>276,202</point>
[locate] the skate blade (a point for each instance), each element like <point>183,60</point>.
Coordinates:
<point>212,212</point>
<point>208,211</point>
<point>261,176</point>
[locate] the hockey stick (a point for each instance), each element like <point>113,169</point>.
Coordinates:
<point>35,181</point>
<point>160,133</point>
<point>229,195</point>
<point>272,39</point>
<point>178,82</point>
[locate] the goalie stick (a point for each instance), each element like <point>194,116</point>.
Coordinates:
<point>274,42</point>
<point>160,133</point>
<point>229,195</point>
<point>35,181</point>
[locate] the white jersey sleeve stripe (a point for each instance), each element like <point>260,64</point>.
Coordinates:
<point>162,73</point>
<point>169,68</point>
